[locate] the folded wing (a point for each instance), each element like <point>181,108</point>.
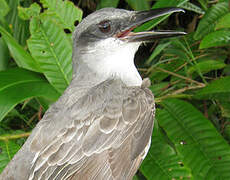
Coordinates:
<point>106,135</point>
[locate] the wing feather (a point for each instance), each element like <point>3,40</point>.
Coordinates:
<point>106,134</point>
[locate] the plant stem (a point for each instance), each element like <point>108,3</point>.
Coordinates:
<point>182,77</point>
<point>186,88</point>
<point>14,136</point>
<point>178,93</point>
<point>185,96</point>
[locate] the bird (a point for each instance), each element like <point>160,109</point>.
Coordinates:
<point>101,127</point>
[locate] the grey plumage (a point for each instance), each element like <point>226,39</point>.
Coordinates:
<point>101,126</point>
<point>105,135</point>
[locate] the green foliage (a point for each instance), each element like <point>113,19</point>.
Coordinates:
<point>50,46</point>
<point>30,85</point>
<point>225,109</point>
<point>163,162</point>
<point>8,149</point>
<point>107,3</point>
<point>4,55</point>
<point>202,148</point>
<point>21,57</point>
<point>205,67</point>
<point>5,8</point>
<point>203,3</point>
<point>14,25</point>
<point>208,22</point>
<point>191,7</point>
<point>193,135</point>
<point>139,5</point>
<point>27,13</point>
<point>217,38</point>
<point>218,89</point>
<point>65,12</point>
<point>157,51</point>
<point>224,22</point>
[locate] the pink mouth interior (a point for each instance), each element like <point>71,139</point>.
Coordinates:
<point>125,33</point>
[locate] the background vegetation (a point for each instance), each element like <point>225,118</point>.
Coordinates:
<point>190,79</point>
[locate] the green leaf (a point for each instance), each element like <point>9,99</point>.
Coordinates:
<point>45,103</point>
<point>135,178</point>
<point>4,23</point>
<point>202,148</point>
<point>227,131</point>
<point>227,70</point>
<point>203,3</point>
<point>166,3</point>
<point>4,8</point>
<point>180,50</point>
<point>192,7</point>
<point>65,11</point>
<point>225,108</point>
<point>158,75</point>
<point>162,161</point>
<point>51,48</point>
<point>8,149</point>
<point>209,20</point>
<point>15,113</point>
<point>217,38</point>
<point>218,89</point>
<point>107,3</point>
<point>174,56</point>
<point>4,55</point>
<point>21,57</point>
<point>19,28</point>
<point>206,66</point>
<point>157,51</point>
<point>27,13</point>
<point>29,85</point>
<point>139,5</point>
<point>223,22</point>
<point>157,88</point>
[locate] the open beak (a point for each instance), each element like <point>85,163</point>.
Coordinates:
<point>141,17</point>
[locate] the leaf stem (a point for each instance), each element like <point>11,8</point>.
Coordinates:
<point>182,77</point>
<point>185,96</point>
<point>178,93</point>
<point>14,136</point>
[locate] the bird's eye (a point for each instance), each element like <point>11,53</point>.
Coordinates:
<point>105,26</point>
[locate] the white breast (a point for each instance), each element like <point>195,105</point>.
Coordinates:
<point>118,63</point>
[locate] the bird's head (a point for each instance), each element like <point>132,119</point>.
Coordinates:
<point>106,43</point>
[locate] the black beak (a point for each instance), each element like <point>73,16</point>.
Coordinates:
<point>141,17</point>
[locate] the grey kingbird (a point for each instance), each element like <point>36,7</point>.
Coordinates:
<point>100,128</point>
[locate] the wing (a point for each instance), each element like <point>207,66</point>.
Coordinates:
<point>104,135</point>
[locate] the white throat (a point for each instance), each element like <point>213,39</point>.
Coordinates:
<point>115,63</point>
